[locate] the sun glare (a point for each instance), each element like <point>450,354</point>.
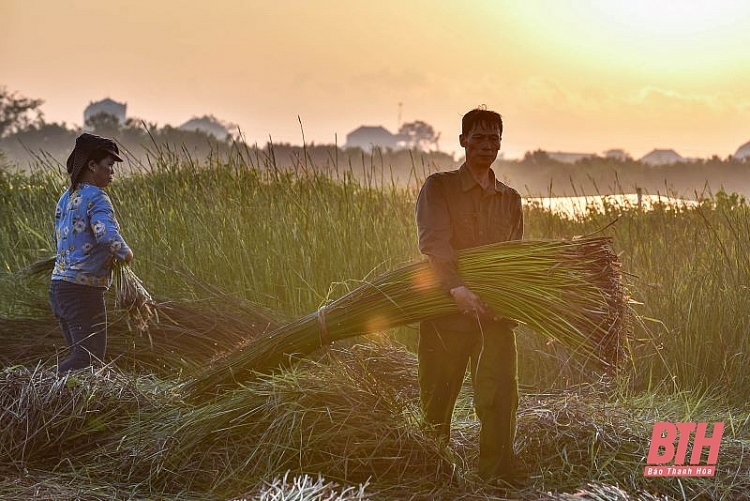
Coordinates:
<point>664,39</point>
<point>671,18</point>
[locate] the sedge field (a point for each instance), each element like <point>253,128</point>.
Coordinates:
<point>230,246</point>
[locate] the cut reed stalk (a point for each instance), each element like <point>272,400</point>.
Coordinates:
<point>570,291</point>
<point>132,297</point>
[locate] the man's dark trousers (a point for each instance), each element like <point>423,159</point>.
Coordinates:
<point>491,351</point>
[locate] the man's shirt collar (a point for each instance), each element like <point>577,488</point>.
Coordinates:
<point>468,181</point>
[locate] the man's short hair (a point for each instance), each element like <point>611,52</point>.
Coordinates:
<point>481,116</point>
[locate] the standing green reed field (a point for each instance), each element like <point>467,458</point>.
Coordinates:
<point>287,239</point>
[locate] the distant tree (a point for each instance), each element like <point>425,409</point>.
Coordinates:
<point>41,138</point>
<point>210,125</point>
<point>537,157</point>
<point>16,111</point>
<point>617,154</point>
<point>43,135</point>
<point>103,124</point>
<point>418,135</point>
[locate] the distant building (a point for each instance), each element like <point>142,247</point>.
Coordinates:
<point>743,151</point>
<point>367,137</point>
<point>662,157</point>
<point>107,106</point>
<point>208,124</point>
<point>569,158</point>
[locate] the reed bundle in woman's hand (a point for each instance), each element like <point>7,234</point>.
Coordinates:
<point>570,291</point>
<point>130,293</point>
<point>132,296</point>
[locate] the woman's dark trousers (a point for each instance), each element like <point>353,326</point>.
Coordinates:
<point>81,312</point>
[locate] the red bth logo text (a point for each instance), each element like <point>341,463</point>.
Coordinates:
<point>669,446</point>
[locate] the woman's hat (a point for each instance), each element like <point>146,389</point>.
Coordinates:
<point>85,146</point>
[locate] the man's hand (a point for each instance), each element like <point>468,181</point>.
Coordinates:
<point>469,303</point>
<point>128,257</point>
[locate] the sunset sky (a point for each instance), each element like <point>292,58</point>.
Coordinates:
<point>577,75</point>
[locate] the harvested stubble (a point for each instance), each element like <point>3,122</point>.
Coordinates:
<point>43,485</point>
<point>581,439</point>
<point>307,488</point>
<point>579,433</point>
<point>337,417</point>
<point>344,417</point>
<point>602,492</point>
<point>46,418</point>
<point>570,291</point>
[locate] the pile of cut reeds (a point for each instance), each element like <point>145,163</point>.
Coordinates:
<point>568,290</point>
<point>339,416</point>
<point>45,416</point>
<point>145,335</point>
<point>188,335</point>
<point>348,416</point>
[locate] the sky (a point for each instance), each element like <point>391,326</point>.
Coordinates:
<point>578,76</point>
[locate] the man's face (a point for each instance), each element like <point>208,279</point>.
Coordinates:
<point>481,145</point>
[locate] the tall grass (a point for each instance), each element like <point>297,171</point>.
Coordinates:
<point>289,238</point>
<point>690,272</point>
<point>224,235</point>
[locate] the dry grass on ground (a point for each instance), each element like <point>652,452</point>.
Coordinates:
<point>351,417</point>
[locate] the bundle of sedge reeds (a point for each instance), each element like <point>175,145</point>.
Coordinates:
<point>132,297</point>
<point>568,290</point>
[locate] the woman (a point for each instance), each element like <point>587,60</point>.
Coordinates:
<point>88,241</point>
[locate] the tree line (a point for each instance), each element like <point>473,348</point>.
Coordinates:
<point>27,138</point>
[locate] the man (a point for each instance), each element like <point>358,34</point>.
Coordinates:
<point>455,210</point>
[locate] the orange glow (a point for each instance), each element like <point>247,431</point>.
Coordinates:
<point>376,324</point>
<point>424,279</point>
<point>577,76</point>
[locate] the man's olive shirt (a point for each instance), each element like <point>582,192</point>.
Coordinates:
<point>453,213</point>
